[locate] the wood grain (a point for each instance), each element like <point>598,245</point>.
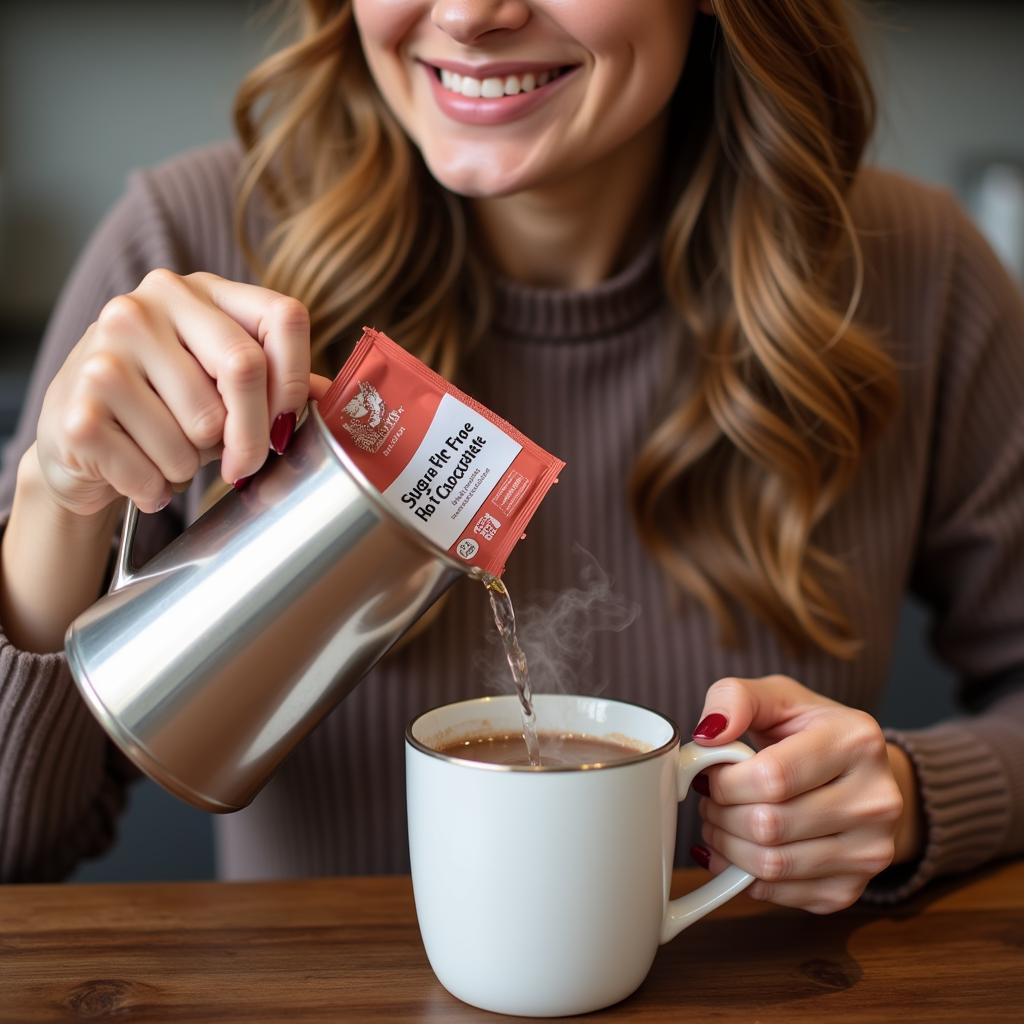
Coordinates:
<point>347,949</point>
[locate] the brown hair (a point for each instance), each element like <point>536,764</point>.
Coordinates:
<point>769,124</point>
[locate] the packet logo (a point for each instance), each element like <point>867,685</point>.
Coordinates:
<point>366,418</point>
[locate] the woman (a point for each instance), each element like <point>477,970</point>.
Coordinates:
<point>783,385</point>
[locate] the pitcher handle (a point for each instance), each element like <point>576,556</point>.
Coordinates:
<point>123,571</point>
<point>681,913</point>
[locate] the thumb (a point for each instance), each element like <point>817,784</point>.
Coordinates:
<point>772,706</point>
<point>729,707</point>
<point>318,386</point>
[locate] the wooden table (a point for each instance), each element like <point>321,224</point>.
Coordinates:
<point>347,949</point>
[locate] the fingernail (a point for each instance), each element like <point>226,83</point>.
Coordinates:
<point>710,727</point>
<point>241,483</point>
<point>163,504</point>
<point>702,855</point>
<point>701,785</point>
<point>281,432</point>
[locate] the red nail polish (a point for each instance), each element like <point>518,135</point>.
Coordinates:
<point>241,483</point>
<point>701,785</point>
<point>702,855</point>
<point>281,432</point>
<point>710,727</point>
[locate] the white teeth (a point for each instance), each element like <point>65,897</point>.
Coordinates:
<point>494,88</point>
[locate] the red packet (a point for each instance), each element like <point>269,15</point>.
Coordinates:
<point>447,466</point>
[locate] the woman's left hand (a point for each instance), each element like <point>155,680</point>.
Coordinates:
<point>822,807</point>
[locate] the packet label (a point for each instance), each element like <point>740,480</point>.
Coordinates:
<point>448,466</point>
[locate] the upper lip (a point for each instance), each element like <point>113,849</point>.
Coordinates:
<point>498,69</point>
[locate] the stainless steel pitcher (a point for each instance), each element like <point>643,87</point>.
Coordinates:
<point>212,661</point>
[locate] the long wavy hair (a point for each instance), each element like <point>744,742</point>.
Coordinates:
<point>760,258</point>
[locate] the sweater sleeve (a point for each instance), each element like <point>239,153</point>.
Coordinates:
<point>62,783</point>
<point>969,568</point>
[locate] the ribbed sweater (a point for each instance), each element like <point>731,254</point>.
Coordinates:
<point>937,509</point>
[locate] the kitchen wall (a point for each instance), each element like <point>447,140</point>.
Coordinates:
<point>90,90</point>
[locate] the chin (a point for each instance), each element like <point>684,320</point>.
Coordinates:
<point>481,178</point>
<point>480,185</point>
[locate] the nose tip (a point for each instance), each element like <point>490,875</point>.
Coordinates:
<point>466,21</point>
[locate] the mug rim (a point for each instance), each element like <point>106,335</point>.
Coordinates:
<point>539,769</point>
<point>377,499</point>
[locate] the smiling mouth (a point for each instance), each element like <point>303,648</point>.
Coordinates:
<point>498,86</point>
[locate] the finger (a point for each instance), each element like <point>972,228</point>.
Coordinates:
<point>771,704</point>
<point>811,858</point>
<point>143,337</point>
<point>236,362</point>
<point>318,386</point>
<point>797,764</point>
<point>106,452</point>
<point>863,851</point>
<point>187,390</point>
<point>143,416</point>
<point>816,896</point>
<point>822,812</point>
<point>280,324</point>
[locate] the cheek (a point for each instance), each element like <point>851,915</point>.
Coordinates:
<point>383,24</point>
<point>638,52</point>
<point>649,39</point>
<point>627,92</point>
<point>385,28</point>
<point>604,24</point>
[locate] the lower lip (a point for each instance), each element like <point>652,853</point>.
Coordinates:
<point>499,110</point>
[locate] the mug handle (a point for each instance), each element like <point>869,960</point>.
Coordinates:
<point>681,913</point>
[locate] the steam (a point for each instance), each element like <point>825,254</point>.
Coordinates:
<point>556,633</point>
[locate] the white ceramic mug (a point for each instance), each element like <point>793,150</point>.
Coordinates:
<point>544,891</point>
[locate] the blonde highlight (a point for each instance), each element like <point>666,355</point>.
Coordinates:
<point>786,391</point>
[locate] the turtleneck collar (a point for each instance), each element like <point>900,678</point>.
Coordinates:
<point>535,313</point>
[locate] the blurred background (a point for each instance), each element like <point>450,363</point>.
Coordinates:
<point>89,91</point>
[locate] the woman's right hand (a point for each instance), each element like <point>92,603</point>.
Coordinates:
<point>177,373</point>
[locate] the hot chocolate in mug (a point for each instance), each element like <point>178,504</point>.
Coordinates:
<point>545,891</point>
